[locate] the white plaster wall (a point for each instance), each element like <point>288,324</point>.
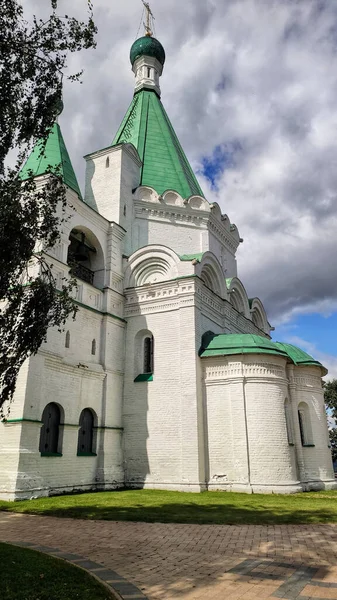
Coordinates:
<point>181,238</point>
<point>109,188</point>
<point>74,379</point>
<point>315,462</point>
<point>247,436</point>
<point>160,417</point>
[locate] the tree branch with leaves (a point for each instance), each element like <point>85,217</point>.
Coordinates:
<point>330,399</point>
<point>33,58</point>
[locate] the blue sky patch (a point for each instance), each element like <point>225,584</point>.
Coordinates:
<point>223,156</point>
<point>314,328</point>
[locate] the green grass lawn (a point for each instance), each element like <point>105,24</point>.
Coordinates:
<point>30,575</point>
<point>179,507</point>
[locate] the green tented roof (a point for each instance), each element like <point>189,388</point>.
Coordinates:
<point>53,154</point>
<point>298,356</point>
<point>165,166</point>
<point>247,343</point>
<point>238,343</point>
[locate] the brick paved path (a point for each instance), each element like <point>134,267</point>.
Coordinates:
<point>196,562</point>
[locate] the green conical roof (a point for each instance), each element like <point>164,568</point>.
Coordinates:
<point>53,154</point>
<point>165,166</point>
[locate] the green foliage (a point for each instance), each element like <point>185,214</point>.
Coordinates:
<point>330,398</point>
<point>33,57</point>
<point>156,506</point>
<point>30,575</point>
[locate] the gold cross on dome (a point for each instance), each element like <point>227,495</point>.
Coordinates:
<point>149,19</point>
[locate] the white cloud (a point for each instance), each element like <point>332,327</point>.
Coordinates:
<point>260,79</point>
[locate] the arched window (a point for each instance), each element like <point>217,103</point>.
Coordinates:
<point>305,424</point>
<point>289,422</point>
<point>107,163</point>
<point>67,342</point>
<point>86,432</point>
<point>50,430</point>
<point>148,355</point>
<point>93,347</point>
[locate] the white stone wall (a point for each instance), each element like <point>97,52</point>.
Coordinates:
<point>160,417</point>
<point>314,459</point>
<point>247,436</point>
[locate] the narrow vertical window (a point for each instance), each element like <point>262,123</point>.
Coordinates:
<point>107,163</point>
<point>67,342</point>
<point>288,419</point>
<point>86,432</point>
<point>148,355</point>
<point>124,210</point>
<point>148,72</point>
<point>93,347</point>
<point>304,422</point>
<point>301,422</point>
<point>49,434</point>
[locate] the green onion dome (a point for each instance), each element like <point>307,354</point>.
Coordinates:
<point>147,46</point>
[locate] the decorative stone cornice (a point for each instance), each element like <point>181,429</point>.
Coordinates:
<point>230,370</point>
<point>167,214</point>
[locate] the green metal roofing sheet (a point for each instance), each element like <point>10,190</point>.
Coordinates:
<point>238,343</point>
<point>165,166</point>
<point>197,256</point>
<point>247,343</point>
<point>298,356</point>
<point>51,155</point>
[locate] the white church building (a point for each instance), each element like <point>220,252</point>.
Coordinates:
<point>168,377</point>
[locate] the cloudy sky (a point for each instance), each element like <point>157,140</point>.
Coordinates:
<point>251,89</point>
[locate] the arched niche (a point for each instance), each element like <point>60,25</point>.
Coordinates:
<point>151,264</point>
<point>216,210</point>
<point>211,273</point>
<point>258,315</point>
<point>146,194</point>
<point>238,297</point>
<point>172,198</point>
<point>226,222</point>
<point>235,232</point>
<point>85,256</point>
<point>198,203</point>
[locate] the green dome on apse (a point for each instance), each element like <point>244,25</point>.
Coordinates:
<point>147,46</point>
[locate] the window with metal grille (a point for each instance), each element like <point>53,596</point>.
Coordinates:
<point>49,434</point>
<point>86,432</point>
<point>304,423</point>
<point>148,354</point>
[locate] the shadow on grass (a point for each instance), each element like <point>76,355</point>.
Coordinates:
<point>167,564</point>
<point>188,513</point>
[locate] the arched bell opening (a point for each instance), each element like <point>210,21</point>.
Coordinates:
<point>85,257</point>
